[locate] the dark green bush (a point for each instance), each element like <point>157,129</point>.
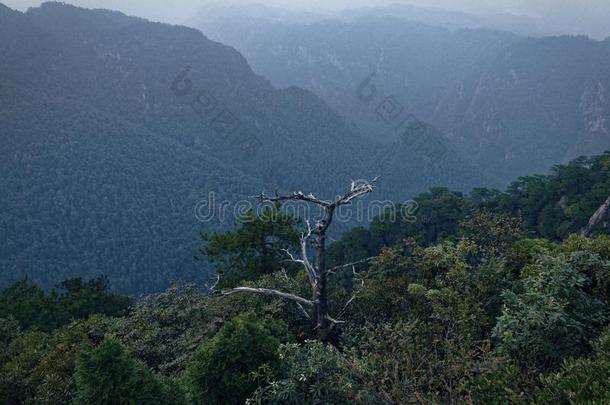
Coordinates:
<point>227,368</point>
<point>109,375</point>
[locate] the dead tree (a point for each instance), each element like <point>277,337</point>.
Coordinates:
<point>598,216</point>
<point>316,308</point>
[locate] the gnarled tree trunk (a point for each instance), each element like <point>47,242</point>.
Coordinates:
<point>318,272</point>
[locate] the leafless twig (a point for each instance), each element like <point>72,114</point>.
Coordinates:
<point>212,288</point>
<point>267,291</point>
<point>354,295</point>
<point>303,310</point>
<point>333,270</point>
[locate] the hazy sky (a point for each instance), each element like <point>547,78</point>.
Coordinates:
<point>588,15</point>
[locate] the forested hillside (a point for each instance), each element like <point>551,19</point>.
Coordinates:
<point>551,206</point>
<point>488,298</point>
<point>512,105</point>
<point>115,129</point>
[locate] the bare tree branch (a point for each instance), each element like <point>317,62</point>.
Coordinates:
<point>357,189</point>
<point>596,218</point>
<point>296,196</point>
<point>267,291</point>
<point>334,321</point>
<point>353,297</point>
<point>303,310</point>
<point>292,258</point>
<point>333,270</point>
<point>304,260</point>
<point>212,288</point>
<point>311,270</point>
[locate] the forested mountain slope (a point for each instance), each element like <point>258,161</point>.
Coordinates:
<point>513,105</point>
<point>114,128</point>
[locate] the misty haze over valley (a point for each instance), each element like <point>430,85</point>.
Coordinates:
<point>551,17</point>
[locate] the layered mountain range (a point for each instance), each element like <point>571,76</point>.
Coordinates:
<point>116,132</point>
<point>513,105</point>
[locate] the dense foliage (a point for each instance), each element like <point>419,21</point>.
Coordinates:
<point>107,374</point>
<point>552,207</point>
<point>229,367</point>
<point>255,249</point>
<point>32,309</point>
<point>475,306</point>
<point>453,322</point>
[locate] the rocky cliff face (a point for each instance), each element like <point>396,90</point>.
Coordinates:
<point>541,102</point>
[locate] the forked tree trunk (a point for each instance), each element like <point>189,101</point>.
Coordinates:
<point>318,272</point>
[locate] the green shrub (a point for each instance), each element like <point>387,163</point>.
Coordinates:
<point>227,368</point>
<point>584,380</point>
<point>552,315</point>
<point>410,362</point>
<point>109,375</point>
<point>315,373</point>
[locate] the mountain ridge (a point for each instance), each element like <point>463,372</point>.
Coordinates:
<point>493,94</point>
<point>202,124</point>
